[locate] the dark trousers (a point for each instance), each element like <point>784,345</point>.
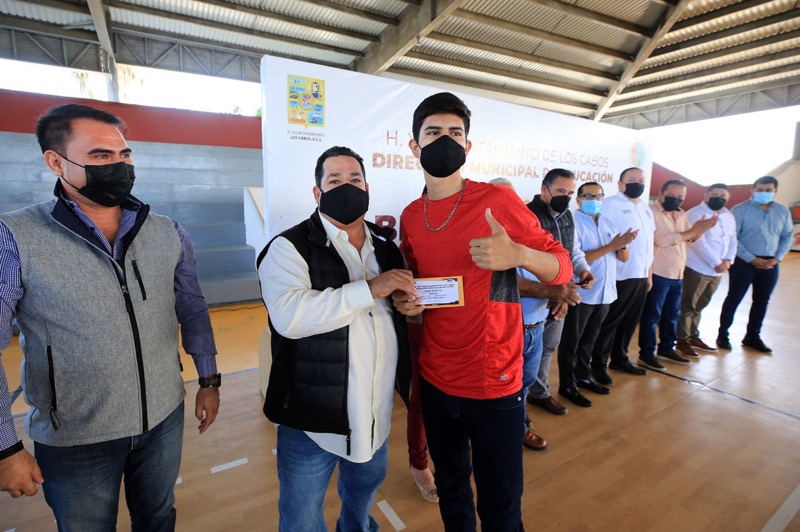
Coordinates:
<point>415,430</point>
<point>661,309</point>
<point>741,276</point>
<point>581,328</point>
<point>491,430</point>
<point>620,324</point>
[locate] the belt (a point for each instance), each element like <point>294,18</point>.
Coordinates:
<point>531,327</point>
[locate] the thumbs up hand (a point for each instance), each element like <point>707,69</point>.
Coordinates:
<point>496,252</point>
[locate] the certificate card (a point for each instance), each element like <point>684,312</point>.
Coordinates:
<point>441,291</point>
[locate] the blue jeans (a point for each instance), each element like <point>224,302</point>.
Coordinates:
<point>531,357</point>
<point>304,472</point>
<point>490,431</point>
<point>662,308</point>
<point>82,482</point>
<point>741,275</point>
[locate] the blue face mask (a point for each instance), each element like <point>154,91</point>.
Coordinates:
<point>591,207</point>
<point>762,198</point>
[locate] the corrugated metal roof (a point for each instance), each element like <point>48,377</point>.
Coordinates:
<point>729,21</point>
<point>790,62</point>
<point>213,14</point>
<point>725,42</point>
<point>467,75</point>
<point>315,13</point>
<point>480,57</point>
<point>708,92</point>
<point>712,64</point>
<point>546,53</point>
<point>642,12</point>
<point>230,38</point>
<point>41,13</point>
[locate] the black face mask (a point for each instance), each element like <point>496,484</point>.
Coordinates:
<point>716,204</point>
<point>559,203</point>
<point>108,185</point>
<point>443,157</point>
<point>671,204</point>
<point>345,203</point>
<point>634,190</point>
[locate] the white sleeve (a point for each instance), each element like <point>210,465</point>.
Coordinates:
<point>295,309</point>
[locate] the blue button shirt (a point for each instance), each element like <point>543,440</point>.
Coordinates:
<point>762,233</point>
<point>534,309</point>
<point>604,269</point>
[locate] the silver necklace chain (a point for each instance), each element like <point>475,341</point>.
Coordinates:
<point>425,210</point>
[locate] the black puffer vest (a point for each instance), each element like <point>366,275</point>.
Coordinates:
<point>307,387</point>
<point>562,229</point>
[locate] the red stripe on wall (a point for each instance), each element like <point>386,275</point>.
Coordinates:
<point>149,124</point>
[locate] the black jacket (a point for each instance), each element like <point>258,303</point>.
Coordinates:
<point>307,387</point>
<point>562,229</point>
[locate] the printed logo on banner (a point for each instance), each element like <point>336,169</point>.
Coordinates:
<point>306,101</point>
<point>637,154</point>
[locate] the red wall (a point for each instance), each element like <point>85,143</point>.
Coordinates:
<point>695,191</point>
<point>149,124</point>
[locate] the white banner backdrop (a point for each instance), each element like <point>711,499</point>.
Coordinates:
<point>308,108</point>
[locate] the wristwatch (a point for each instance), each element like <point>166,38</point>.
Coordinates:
<point>214,381</point>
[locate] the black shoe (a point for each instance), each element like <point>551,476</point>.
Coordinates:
<point>627,367</point>
<point>724,343</point>
<point>602,376</point>
<point>575,396</point>
<point>593,386</point>
<point>757,344</point>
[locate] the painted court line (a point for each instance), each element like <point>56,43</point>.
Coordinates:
<point>229,465</point>
<point>179,481</point>
<point>391,515</point>
<point>785,513</point>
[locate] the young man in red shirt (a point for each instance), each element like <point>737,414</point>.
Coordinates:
<point>471,355</point>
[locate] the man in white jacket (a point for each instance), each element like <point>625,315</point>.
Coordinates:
<point>706,260</point>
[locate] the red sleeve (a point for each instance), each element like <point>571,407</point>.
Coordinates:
<point>524,228</point>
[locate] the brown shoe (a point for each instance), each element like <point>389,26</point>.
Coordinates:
<point>533,441</point>
<point>686,350</point>
<point>697,343</point>
<point>549,404</point>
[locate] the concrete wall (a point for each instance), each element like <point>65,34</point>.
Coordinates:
<point>199,186</point>
<point>190,165</point>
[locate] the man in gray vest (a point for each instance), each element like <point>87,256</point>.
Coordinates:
<point>339,349</point>
<point>551,207</point>
<point>99,287</point>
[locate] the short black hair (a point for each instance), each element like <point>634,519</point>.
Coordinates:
<point>441,103</point>
<point>337,151</point>
<point>622,174</point>
<point>671,182</point>
<point>589,184</point>
<point>554,174</point>
<point>54,127</point>
<point>718,185</point>
<point>766,180</point>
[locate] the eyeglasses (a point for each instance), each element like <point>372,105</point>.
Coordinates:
<point>592,196</point>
